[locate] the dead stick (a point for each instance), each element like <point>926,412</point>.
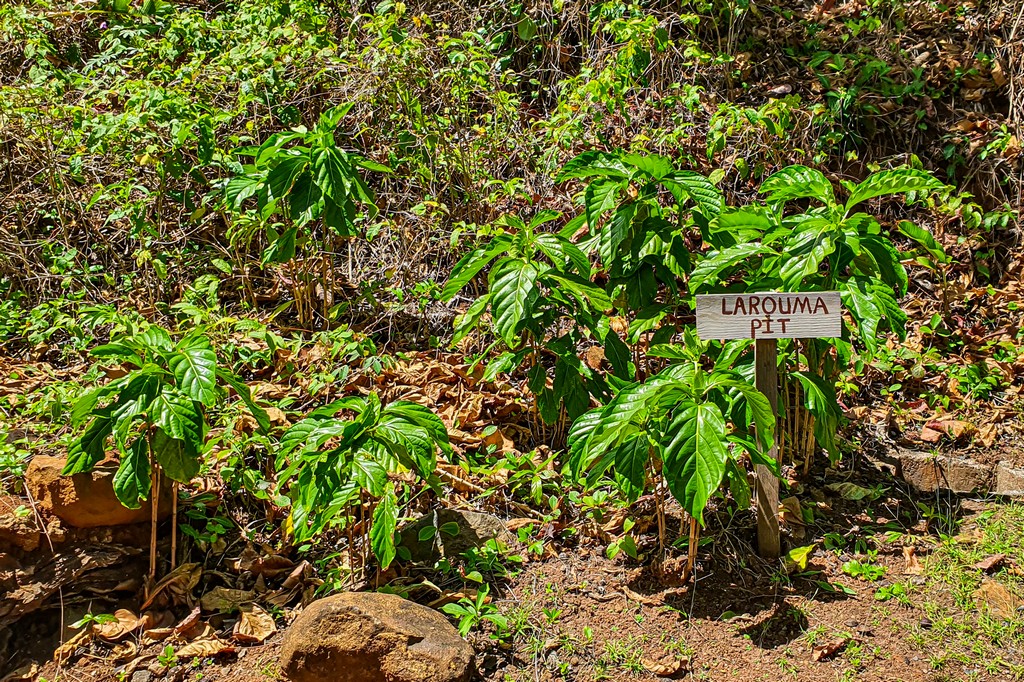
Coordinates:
<point>154,494</point>
<point>174,525</point>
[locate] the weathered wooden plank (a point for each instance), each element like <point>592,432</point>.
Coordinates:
<point>766,487</point>
<point>769,315</point>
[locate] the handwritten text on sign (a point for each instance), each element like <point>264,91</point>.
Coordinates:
<point>769,315</point>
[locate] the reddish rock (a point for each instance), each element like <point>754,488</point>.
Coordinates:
<point>928,473</point>
<point>374,637</point>
<point>85,500</point>
<point>1009,480</point>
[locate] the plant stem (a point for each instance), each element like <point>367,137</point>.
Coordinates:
<point>174,524</point>
<point>154,496</point>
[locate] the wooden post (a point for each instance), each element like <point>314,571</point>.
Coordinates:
<point>766,378</point>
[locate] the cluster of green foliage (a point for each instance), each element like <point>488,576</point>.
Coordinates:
<point>640,223</point>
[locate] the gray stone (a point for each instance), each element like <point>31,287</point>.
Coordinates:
<point>928,473</point>
<point>1009,481</point>
<point>474,530</point>
<point>374,637</point>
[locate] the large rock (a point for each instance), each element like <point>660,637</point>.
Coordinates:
<point>1009,480</point>
<point>374,637</point>
<point>456,532</point>
<point>85,500</point>
<point>928,473</point>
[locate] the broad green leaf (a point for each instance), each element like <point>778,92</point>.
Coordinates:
<point>631,458</point>
<point>616,234</point>
<point>803,257</point>
<point>304,199</point>
<point>562,252</point>
<point>179,459</point>
<point>739,227</point>
<point>896,181</point>
<point>618,355</point>
<point>370,165</point>
<point>582,290</point>
<point>258,413</point>
<point>887,259</point>
<point>468,320</point>
<point>155,338</point>
<point>282,248</point>
<point>89,448</point>
<point>568,386</point>
<point>593,163</point>
<point>858,299</point>
<point>654,165</point>
<point>382,531</point>
<point>240,188</point>
<point>195,371</point>
<point>513,290</point>
<point>117,351</point>
<point>576,443</point>
<point>421,416</point>
<point>697,188</point>
<point>84,406</point>
<point>799,182</point>
<point>333,173</point>
<point>281,179</point>
<point>369,474</point>
<point>472,263</point>
<point>757,404</point>
<point>709,271</point>
<point>131,482</point>
<point>600,197</point>
<point>738,484</point>
<point>925,239</point>
<point>695,458</point>
<point>176,414</point>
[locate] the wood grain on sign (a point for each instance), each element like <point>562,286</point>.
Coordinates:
<point>769,315</point>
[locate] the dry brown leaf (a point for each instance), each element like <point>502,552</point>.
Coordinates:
<point>671,667</point>
<point>176,587</point>
<point>646,600</point>
<point>594,356</point>
<point>913,564</point>
<point>989,563</point>
<point>254,625</point>
<point>515,524</point>
<point>225,600</point>
<point>189,622</point>
<point>81,638</point>
<point>499,440</point>
<point>999,601</point>
<point>268,565</point>
<point>987,434</point>
<point>126,623</point>
<point>829,649</point>
<point>204,646</point>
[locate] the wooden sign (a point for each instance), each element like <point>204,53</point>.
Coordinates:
<point>769,315</point>
<point>765,317</point>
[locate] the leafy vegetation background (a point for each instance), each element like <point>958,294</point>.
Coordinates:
<point>134,136</point>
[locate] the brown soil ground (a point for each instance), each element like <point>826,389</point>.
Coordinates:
<point>583,616</point>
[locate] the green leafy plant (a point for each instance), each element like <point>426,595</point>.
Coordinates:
<point>306,179</point>
<point>683,428</point>
<point>830,245</point>
<point>470,613</point>
<point>865,570</point>
<point>328,463</point>
<point>156,414</point>
<point>536,280</point>
<point>91,619</point>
